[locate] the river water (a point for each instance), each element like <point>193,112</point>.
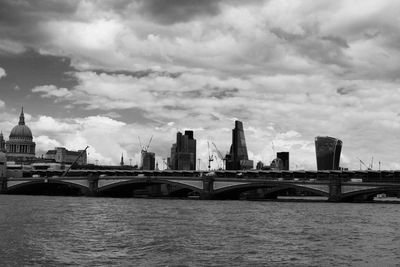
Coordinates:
<point>55,231</point>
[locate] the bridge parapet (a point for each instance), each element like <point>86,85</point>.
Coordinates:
<point>336,185</point>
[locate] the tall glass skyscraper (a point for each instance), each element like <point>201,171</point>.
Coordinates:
<point>237,159</point>
<point>328,151</point>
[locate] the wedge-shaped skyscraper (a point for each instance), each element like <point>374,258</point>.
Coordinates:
<point>328,152</point>
<point>237,159</point>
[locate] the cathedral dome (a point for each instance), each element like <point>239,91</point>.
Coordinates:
<point>21,131</point>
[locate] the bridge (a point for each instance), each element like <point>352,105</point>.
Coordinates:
<point>334,185</point>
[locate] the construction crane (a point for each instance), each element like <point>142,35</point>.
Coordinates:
<point>145,148</point>
<point>220,155</point>
<point>76,159</point>
<point>210,157</point>
<point>365,165</point>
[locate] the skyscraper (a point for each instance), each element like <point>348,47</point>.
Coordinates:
<point>148,160</point>
<point>237,159</point>
<point>328,152</point>
<point>183,152</point>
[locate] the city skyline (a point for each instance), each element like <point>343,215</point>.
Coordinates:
<point>103,73</point>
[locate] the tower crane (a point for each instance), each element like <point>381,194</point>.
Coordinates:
<point>365,165</point>
<point>220,155</point>
<point>210,157</point>
<point>145,148</point>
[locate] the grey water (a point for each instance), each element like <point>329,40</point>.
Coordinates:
<point>82,231</point>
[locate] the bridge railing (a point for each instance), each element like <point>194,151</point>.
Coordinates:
<point>301,175</point>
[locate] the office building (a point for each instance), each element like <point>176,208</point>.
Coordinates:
<point>284,157</point>
<point>183,152</point>
<point>328,151</point>
<point>237,159</point>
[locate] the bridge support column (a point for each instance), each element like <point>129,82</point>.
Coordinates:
<point>335,188</point>
<point>208,188</point>
<point>93,185</point>
<point>3,185</point>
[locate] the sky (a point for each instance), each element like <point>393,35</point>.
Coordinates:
<point>103,73</point>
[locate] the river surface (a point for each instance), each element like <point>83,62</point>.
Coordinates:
<point>62,231</point>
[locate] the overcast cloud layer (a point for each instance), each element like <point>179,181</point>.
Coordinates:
<point>290,70</point>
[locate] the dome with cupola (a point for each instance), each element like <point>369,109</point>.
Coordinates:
<point>21,131</point>
<point>20,143</point>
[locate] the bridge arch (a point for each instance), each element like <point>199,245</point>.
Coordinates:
<point>234,192</point>
<point>47,187</point>
<point>125,188</point>
<point>367,194</point>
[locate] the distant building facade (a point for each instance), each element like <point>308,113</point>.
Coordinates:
<point>148,161</point>
<point>3,164</point>
<point>183,152</point>
<point>62,155</point>
<point>2,143</point>
<point>237,159</point>
<point>284,157</point>
<point>328,151</point>
<point>260,165</point>
<point>20,146</point>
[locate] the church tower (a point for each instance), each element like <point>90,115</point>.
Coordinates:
<point>122,160</point>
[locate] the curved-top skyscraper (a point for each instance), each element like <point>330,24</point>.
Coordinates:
<point>328,151</point>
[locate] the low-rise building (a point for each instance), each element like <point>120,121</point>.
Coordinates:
<point>62,155</point>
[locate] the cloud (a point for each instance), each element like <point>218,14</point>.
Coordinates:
<point>199,64</point>
<point>50,91</point>
<point>2,73</point>
<point>176,11</point>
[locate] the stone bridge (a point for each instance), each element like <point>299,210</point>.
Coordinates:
<point>204,186</point>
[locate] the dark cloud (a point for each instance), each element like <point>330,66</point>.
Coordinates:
<point>224,93</point>
<point>346,90</point>
<point>179,108</point>
<point>371,34</point>
<point>175,11</point>
<point>211,92</point>
<point>19,20</point>
<point>281,34</point>
<point>17,13</point>
<point>336,40</point>
<point>310,44</point>
<point>138,74</point>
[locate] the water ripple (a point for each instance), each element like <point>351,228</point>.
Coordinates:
<point>70,231</point>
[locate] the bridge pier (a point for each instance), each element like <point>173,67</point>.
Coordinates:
<point>93,186</point>
<point>3,185</point>
<point>208,188</point>
<point>335,188</point>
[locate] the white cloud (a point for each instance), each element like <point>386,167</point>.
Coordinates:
<point>287,74</point>
<point>52,91</point>
<point>2,73</point>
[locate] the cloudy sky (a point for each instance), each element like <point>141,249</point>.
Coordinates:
<point>102,73</point>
